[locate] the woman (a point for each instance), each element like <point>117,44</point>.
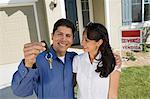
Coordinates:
<point>95,71</point>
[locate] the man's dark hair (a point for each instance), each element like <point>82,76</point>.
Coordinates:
<point>64,22</point>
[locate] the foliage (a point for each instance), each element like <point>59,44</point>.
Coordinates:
<point>130,55</point>
<point>145,35</point>
<point>144,47</point>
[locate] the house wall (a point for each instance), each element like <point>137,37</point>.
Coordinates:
<point>18,24</point>
<point>17,27</point>
<point>108,12</point>
<point>115,22</point>
<point>99,11</point>
<point>55,14</point>
<point>14,32</point>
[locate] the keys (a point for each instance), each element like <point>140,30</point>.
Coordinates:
<point>48,55</point>
<point>50,63</point>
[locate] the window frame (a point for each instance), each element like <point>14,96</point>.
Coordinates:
<point>127,20</point>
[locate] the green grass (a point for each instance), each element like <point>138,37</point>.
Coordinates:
<point>135,83</point>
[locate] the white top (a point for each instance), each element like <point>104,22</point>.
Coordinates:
<point>90,85</point>
<point>62,58</point>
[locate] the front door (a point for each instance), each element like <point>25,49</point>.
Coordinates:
<point>71,14</point>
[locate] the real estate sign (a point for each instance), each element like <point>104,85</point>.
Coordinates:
<point>131,39</point>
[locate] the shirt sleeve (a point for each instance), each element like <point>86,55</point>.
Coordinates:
<point>23,80</point>
<point>75,64</point>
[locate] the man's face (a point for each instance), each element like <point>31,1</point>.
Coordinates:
<point>62,40</point>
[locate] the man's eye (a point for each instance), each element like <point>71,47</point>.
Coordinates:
<point>68,35</point>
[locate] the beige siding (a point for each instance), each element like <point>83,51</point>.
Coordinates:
<point>28,11</point>
<point>14,32</point>
<point>99,11</point>
<point>17,27</point>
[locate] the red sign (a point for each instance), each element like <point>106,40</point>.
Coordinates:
<point>131,39</point>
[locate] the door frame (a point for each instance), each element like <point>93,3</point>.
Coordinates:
<point>79,14</point>
<point>71,14</point>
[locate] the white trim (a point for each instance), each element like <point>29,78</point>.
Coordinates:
<point>16,1</point>
<point>80,19</point>
<point>8,3</point>
<point>142,11</point>
<point>15,5</point>
<point>37,21</point>
<point>107,17</point>
<point>63,11</point>
<point>142,22</point>
<point>90,2</point>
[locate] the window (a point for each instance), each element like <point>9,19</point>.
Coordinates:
<point>85,12</point>
<point>146,1</point>
<point>135,11</point>
<point>147,10</point>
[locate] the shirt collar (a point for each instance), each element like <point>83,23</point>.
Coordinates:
<point>52,51</point>
<point>88,58</point>
<point>68,56</point>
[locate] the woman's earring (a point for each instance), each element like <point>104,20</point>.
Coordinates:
<point>97,47</point>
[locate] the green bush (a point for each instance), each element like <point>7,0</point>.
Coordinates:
<point>130,56</point>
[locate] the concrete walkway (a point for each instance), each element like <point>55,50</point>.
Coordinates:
<point>142,59</point>
<point>7,93</point>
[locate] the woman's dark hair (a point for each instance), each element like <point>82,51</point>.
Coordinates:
<point>64,22</point>
<point>96,31</point>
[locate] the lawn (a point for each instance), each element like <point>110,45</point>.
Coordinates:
<point>135,83</point>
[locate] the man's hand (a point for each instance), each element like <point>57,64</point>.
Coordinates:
<point>31,50</point>
<point>118,60</point>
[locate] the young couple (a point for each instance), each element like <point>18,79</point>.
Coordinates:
<point>52,73</point>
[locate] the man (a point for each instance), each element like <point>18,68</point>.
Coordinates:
<point>48,73</point>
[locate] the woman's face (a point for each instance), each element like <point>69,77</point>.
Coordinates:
<point>90,46</point>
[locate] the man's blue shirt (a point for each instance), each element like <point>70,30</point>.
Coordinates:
<point>55,83</point>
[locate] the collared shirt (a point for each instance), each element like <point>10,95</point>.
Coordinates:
<point>90,85</point>
<point>55,83</point>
